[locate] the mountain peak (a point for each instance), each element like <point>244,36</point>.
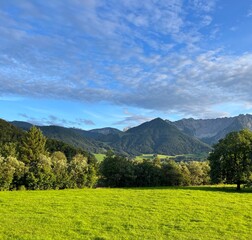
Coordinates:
<point>158,119</point>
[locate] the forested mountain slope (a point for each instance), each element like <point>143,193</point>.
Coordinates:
<point>156,136</point>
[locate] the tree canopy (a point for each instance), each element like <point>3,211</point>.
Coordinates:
<point>231,158</point>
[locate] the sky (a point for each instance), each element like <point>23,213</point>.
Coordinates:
<point>117,63</point>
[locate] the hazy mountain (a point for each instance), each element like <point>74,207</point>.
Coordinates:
<point>106,131</point>
<point>212,130</point>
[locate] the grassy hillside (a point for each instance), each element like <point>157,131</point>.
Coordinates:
<point>169,213</point>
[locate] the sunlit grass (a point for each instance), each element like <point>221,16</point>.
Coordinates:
<point>99,156</point>
<point>160,213</point>
<point>200,156</point>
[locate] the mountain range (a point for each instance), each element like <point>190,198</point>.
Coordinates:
<point>156,136</point>
<point>210,131</point>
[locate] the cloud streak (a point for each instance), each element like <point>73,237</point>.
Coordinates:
<point>55,121</point>
<point>132,53</point>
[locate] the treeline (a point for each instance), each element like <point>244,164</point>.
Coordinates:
<point>118,171</point>
<point>30,161</point>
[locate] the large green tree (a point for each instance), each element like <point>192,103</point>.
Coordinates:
<point>33,144</point>
<point>231,158</point>
<point>11,173</point>
<point>78,171</point>
<point>59,168</point>
<point>117,171</point>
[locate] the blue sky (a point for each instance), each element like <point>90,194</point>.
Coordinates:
<point>94,63</point>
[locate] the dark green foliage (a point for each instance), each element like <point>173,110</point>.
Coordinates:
<point>231,159</point>
<point>25,162</point>
<point>118,171</point>
<point>32,145</point>
<point>72,136</point>
<point>40,174</point>
<point>172,174</point>
<point>10,138</point>
<point>9,133</point>
<point>9,149</point>
<point>148,174</point>
<point>53,145</point>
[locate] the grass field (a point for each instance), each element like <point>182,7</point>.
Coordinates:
<point>200,156</point>
<point>168,213</point>
<point>99,156</point>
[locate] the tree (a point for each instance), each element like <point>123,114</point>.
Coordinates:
<point>59,168</point>
<point>78,171</point>
<point>172,174</point>
<point>91,175</point>
<point>40,175</point>
<point>199,172</point>
<point>11,173</point>
<point>185,173</point>
<point>148,173</point>
<point>231,158</point>
<point>117,171</point>
<point>33,144</point>
<point>8,149</point>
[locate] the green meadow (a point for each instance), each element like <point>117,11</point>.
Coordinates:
<point>100,156</point>
<point>200,156</point>
<point>148,213</point>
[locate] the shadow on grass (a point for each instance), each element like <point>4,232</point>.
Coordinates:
<point>208,188</point>
<point>227,189</point>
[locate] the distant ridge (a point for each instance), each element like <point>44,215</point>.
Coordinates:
<point>159,136</point>
<point>155,136</point>
<point>212,130</point>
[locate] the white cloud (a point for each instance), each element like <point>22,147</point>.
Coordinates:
<point>249,13</point>
<point>131,119</point>
<point>147,54</point>
<point>53,120</point>
<point>202,5</point>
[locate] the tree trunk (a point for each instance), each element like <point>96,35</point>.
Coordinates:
<point>238,186</point>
